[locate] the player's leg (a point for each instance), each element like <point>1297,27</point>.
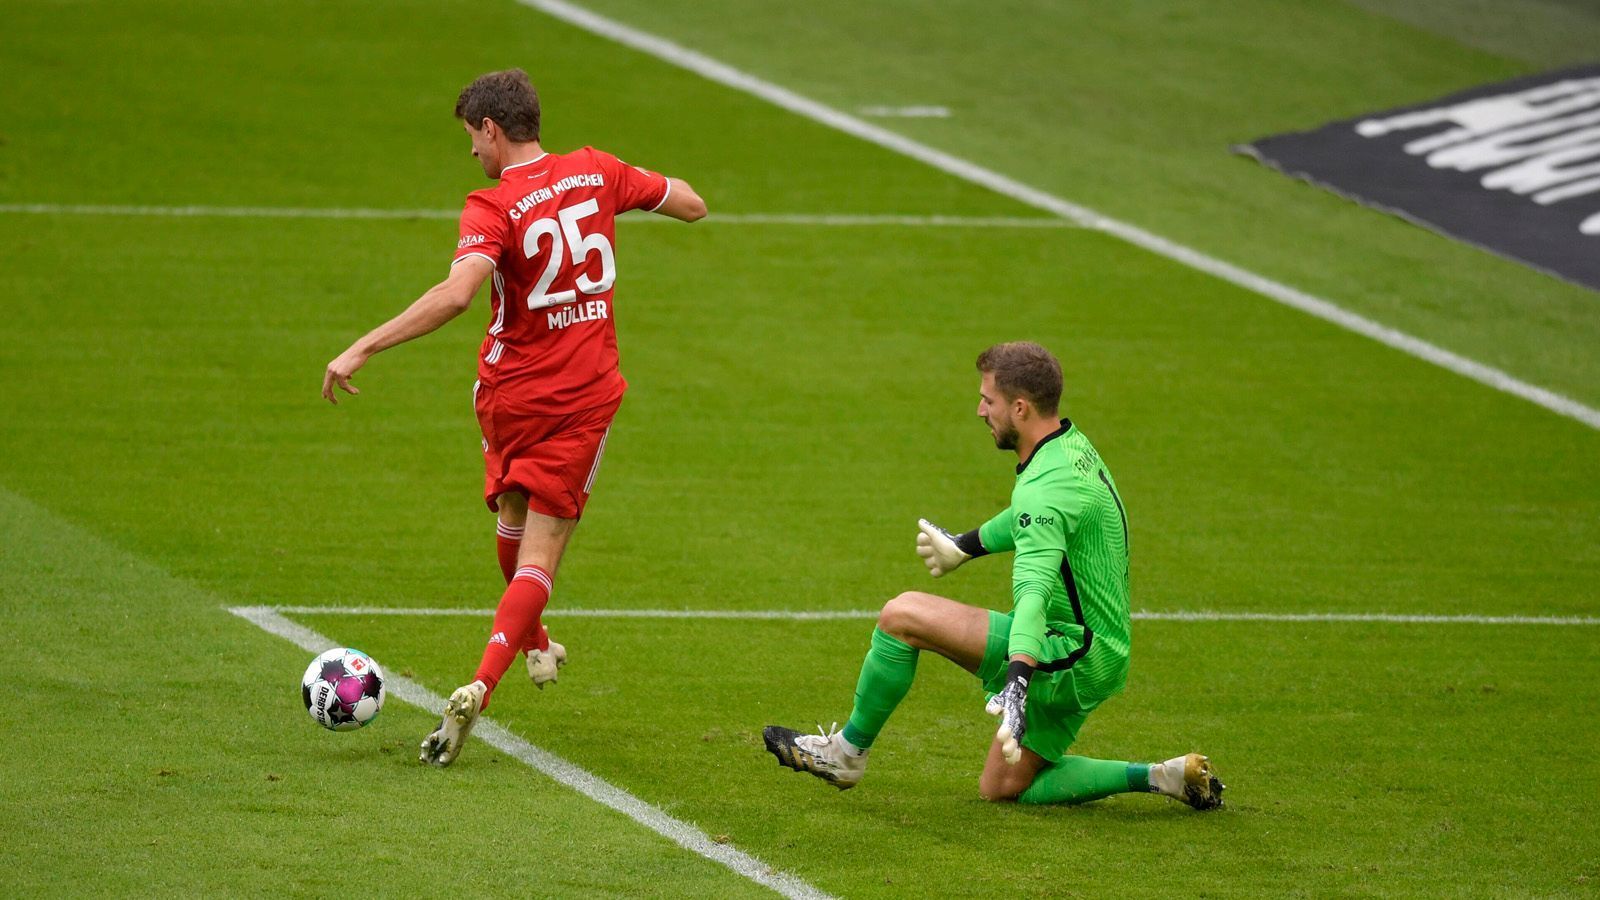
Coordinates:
<point>1079,779</point>
<point>510,525</point>
<point>908,624</point>
<point>517,617</point>
<point>1004,781</point>
<point>558,477</point>
<point>508,530</point>
<point>1045,774</point>
<point>544,544</point>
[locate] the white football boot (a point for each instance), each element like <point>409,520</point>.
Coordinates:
<point>825,755</point>
<point>460,713</point>
<point>544,666</point>
<point>1188,778</point>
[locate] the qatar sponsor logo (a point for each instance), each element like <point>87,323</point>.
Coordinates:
<point>470,240</point>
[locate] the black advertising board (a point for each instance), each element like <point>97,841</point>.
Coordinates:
<point>1512,167</point>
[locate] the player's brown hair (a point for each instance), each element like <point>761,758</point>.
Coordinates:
<point>508,98</point>
<point>1024,369</point>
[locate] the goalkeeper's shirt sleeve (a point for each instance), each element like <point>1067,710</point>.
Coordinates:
<point>995,534</point>
<point>1039,532</point>
<point>1034,573</point>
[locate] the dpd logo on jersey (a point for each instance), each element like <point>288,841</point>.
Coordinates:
<point>1024,520</point>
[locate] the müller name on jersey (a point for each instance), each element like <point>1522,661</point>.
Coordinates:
<point>540,195</point>
<point>573,313</point>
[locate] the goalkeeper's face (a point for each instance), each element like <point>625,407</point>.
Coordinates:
<point>996,412</point>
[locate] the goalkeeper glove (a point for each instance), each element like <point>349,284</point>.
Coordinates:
<point>1011,706</point>
<point>938,549</point>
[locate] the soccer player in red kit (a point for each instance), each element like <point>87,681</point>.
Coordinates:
<point>548,378</point>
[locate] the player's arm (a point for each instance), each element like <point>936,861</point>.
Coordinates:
<point>1038,528</point>
<point>995,534</point>
<point>681,202</point>
<point>1034,571</point>
<point>942,551</point>
<point>1046,512</point>
<point>442,302</point>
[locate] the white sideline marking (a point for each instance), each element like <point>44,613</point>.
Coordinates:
<point>906,112</point>
<point>310,212</point>
<point>806,615</point>
<point>725,74</point>
<point>592,786</point>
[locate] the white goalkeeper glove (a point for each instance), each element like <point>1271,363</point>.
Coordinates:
<point>1011,705</point>
<point>938,549</point>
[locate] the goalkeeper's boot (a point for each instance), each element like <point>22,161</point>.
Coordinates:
<point>824,755</point>
<point>460,713</point>
<point>1188,778</point>
<point>544,666</point>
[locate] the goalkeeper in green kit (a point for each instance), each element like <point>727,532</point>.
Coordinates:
<point>1063,649</point>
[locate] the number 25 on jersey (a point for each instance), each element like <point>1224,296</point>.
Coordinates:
<point>578,245</point>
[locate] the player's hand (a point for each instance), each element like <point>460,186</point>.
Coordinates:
<point>938,549</point>
<point>339,373</point>
<point>1011,706</point>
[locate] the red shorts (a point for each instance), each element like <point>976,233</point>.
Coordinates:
<point>551,460</point>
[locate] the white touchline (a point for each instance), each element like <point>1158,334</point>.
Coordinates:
<point>722,73</point>
<point>313,212</point>
<point>580,780</point>
<point>906,112</point>
<point>828,615</point>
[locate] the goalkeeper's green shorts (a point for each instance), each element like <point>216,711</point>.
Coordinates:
<point>1055,712</point>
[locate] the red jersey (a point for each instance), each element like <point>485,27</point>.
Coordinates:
<point>549,228</point>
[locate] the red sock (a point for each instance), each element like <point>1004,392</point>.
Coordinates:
<point>538,640</point>
<point>515,619</point>
<point>507,539</point>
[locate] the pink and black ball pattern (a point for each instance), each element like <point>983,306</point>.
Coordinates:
<point>343,689</point>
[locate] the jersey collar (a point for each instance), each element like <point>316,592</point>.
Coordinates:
<point>1066,426</point>
<point>525,163</point>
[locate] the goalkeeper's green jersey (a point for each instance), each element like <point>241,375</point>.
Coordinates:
<point>1070,573</point>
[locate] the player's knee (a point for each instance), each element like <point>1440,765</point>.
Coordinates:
<point>997,788</point>
<point>900,616</point>
<point>513,508</point>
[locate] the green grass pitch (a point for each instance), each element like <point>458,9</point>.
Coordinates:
<point>801,394</point>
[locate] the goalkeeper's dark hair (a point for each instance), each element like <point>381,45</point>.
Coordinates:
<point>508,98</point>
<point>1024,369</point>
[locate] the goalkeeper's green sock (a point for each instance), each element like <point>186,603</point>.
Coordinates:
<point>885,678</point>
<point>1079,779</point>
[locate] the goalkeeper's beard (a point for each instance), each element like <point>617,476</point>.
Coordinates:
<point>1005,435</point>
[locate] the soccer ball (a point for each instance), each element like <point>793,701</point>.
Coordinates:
<point>343,689</point>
